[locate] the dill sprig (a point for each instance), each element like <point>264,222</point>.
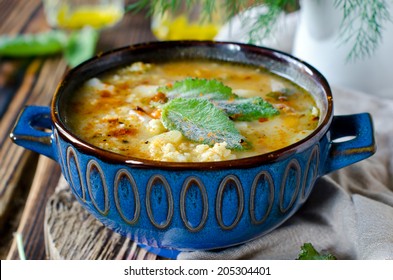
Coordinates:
<point>362,23</point>
<point>265,22</point>
<point>230,7</point>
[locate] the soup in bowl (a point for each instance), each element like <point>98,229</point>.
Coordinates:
<point>191,111</point>
<point>194,145</point>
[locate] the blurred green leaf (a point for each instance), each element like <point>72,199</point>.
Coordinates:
<point>81,46</point>
<point>24,45</point>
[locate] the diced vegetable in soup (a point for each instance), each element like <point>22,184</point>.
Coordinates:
<point>191,111</point>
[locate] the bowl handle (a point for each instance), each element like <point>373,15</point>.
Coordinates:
<point>29,133</point>
<point>352,140</point>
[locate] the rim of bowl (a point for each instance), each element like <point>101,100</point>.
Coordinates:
<point>247,162</point>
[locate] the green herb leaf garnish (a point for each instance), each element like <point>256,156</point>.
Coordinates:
<point>203,111</point>
<point>81,46</point>
<point>308,252</point>
<point>200,121</point>
<point>246,109</point>
<point>198,88</point>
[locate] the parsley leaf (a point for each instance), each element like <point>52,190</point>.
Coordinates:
<point>200,121</point>
<point>308,252</point>
<point>81,46</point>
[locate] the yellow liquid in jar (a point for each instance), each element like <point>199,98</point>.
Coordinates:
<point>94,16</point>
<point>180,28</point>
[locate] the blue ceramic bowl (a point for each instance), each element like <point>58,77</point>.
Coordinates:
<point>170,207</point>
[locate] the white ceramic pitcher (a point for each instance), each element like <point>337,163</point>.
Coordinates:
<point>317,42</point>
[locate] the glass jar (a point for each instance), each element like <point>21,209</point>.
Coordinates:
<point>187,22</point>
<point>76,14</point>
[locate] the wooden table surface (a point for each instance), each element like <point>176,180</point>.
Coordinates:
<point>27,180</point>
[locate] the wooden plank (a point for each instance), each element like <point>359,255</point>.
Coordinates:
<point>10,80</point>
<point>16,205</point>
<point>31,223</point>
<point>16,15</point>
<point>36,89</point>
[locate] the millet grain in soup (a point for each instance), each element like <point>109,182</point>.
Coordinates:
<point>117,112</point>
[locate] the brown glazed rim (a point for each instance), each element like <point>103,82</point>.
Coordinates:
<point>253,161</point>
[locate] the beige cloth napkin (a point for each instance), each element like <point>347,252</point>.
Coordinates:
<point>349,212</point>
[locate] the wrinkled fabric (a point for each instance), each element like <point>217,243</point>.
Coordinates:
<point>349,212</point>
